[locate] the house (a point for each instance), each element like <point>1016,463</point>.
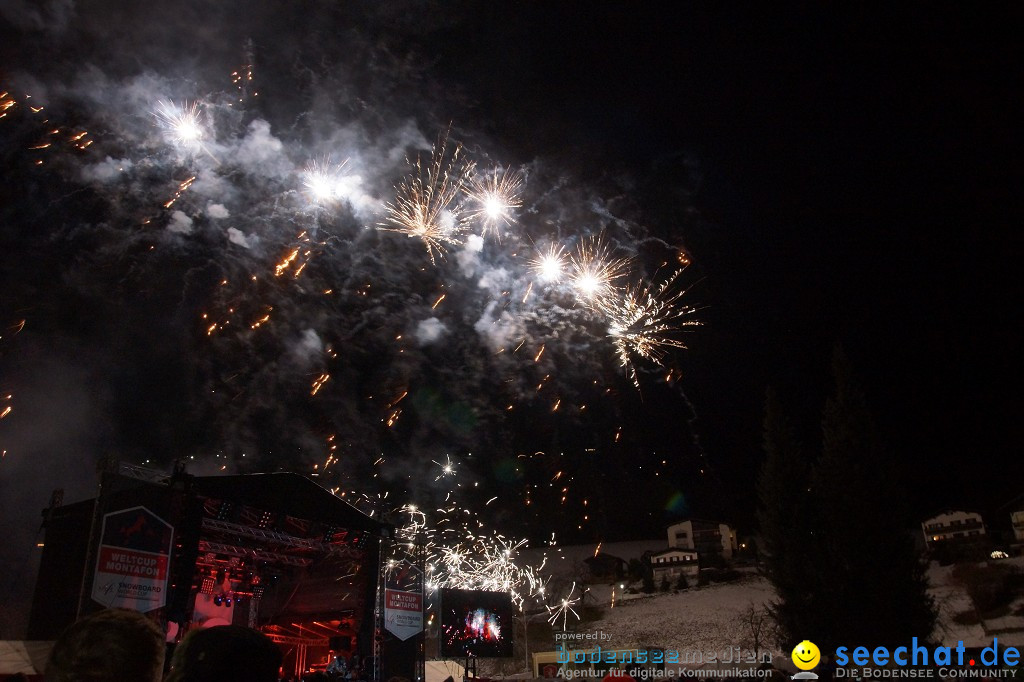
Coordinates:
<point>603,566</point>
<point>707,538</point>
<point>669,564</point>
<point>952,526</point>
<point>1017,519</point>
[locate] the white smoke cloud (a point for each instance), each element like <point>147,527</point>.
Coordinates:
<point>495,280</point>
<point>106,170</point>
<point>209,184</point>
<point>469,257</point>
<point>430,330</point>
<point>180,223</point>
<point>261,152</point>
<point>308,345</point>
<point>217,211</point>
<point>401,139</point>
<point>499,330</point>
<point>350,188</point>
<point>238,237</point>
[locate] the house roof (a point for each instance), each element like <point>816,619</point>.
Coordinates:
<point>947,511</point>
<point>603,557</point>
<point>707,521</point>
<point>671,550</point>
<point>1015,503</point>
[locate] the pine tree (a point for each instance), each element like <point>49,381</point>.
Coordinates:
<point>835,531</point>
<point>878,587</point>
<point>784,514</point>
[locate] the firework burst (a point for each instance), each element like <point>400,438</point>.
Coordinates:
<point>270,303</point>
<point>458,555</point>
<point>595,271</point>
<point>563,608</point>
<point>181,124</point>
<point>324,181</point>
<point>447,468</point>
<point>549,265</point>
<point>485,563</point>
<point>646,320</point>
<point>426,204</point>
<point>493,197</point>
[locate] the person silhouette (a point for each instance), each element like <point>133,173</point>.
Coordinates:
<point>113,645</point>
<point>225,653</point>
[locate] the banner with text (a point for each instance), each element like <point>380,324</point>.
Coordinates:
<point>403,600</point>
<point>132,561</point>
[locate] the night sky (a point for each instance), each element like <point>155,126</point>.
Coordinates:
<point>859,185</point>
<point>835,177</point>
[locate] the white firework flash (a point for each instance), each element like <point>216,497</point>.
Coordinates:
<point>181,124</point>
<point>324,181</point>
<point>550,265</point>
<point>595,271</point>
<point>493,198</point>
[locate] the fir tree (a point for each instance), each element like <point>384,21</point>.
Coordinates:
<point>784,515</point>
<point>878,586</point>
<point>835,531</point>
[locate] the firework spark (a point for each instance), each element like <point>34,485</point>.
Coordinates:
<point>447,468</point>
<point>318,383</point>
<point>646,320</point>
<point>182,188</point>
<point>563,608</point>
<point>437,203</point>
<point>595,271</point>
<point>324,181</point>
<point>6,102</point>
<point>426,204</point>
<point>181,124</point>
<point>550,265</point>
<point>494,196</point>
<point>459,556</point>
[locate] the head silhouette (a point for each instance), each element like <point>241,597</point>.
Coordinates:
<point>226,653</point>
<point>114,645</point>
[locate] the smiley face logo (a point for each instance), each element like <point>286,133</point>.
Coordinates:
<point>806,655</point>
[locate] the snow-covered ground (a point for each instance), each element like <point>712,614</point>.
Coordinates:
<point>710,618</point>
<point>951,599</point>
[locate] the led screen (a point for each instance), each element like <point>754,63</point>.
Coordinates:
<point>476,623</point>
